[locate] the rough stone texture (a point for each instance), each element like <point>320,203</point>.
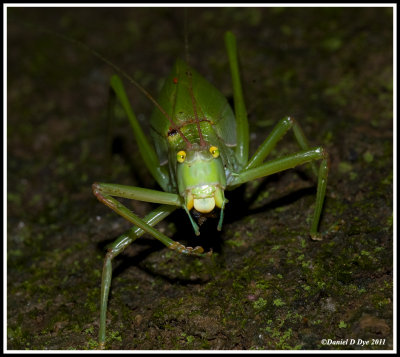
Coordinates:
<point>268,286</point>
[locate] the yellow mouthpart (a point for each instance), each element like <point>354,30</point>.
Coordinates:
<point>205,204</point>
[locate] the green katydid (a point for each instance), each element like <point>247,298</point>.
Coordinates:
<point>200,150</point>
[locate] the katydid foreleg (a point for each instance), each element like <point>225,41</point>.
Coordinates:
<point>288,162</point>
<point>104,193</point>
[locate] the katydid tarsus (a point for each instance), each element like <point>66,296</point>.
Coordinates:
<point>200,149</point>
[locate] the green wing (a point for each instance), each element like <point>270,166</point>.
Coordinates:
<point>177,101</point>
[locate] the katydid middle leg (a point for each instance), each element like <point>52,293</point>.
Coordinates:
<point>170,202</point>
<point>287,162</point>
<point>280,129</point>
<point>116,248</point>
<point>307,155</point>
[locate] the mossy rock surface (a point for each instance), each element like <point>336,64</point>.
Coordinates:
<point>268,285</point>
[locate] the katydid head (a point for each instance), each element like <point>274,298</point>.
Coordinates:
<point>201,178</point>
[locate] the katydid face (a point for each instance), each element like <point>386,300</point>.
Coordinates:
<point>201,178</point>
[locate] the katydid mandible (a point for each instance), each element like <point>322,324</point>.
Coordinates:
<point>201,149</point>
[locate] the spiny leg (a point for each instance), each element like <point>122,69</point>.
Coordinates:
<point>276,134</point>
<point>302,141</point>
<point>288,162</point>
<point>116,248</point>
<point>147,195</point>
<point>279,131</point>
<point>104,193</point>
<point>242,125</point>
<point>145,148</point>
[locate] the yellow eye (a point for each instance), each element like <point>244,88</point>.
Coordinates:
<point>181,156</point>
<point>214,151</point>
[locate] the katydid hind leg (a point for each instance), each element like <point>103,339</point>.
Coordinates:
<point>242,125</point>
<point>146,150</point>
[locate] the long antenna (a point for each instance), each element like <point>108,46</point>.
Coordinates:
<point>189,74</point>
<point>196,116</point>
<point>120,71</point>
<point>186,34</point>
